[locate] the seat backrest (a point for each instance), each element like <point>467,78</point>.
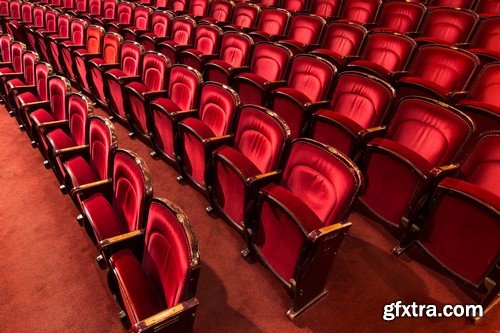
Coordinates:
<point>59,88</point>
<point>178,5</point>
<point>125,12</point>
<point>389,50</point>
<point>401,16</point>
<point>270,60</point>
<point>4,7</point>
<point>261,136</point>
<point>6,47</point>
<point>94,38</point>
<point>449,25</point>
<point>50,20</point>
<point>39,16</point>
<point>170,253</point>
<point>182,30</point>
<point>78,28</point>
<point>360,11</point>
<point>450,68</point>
<point>432,129</point>
<point>184,85</point>
<point>487,85</point>
<point>109,9</point>
<point>325,8</point>
<point>245,15</point>
<point>483,164</point>
<point>488,35</point>
<point>27,12</point>
<point>217,107</point>
<point>235,48</point>
<point>17,50</point>
<point>43,71</point>
<point>95,7</point>
<point>132,188</point>
<point>323,178</point>
<point>306,28</point>
<point>80,108</point>
<point>161,23</point>
<point>15,10</point>
<point>142,17</point>
<point>64,25</point>
<point>155,68</point>
<point>199,8</point>
<point>207,38</point>
<point>81,5</point>
<point>362,98</point>
<point>274,3</point>
<point>68,4</point>
<point>295,5</point>
<point>30,59</point>
<point>111,48</point>
<point>467,4</point>
<point>130,57</point>
<point>488,7</point>
<point>102,144</point>
<point>273,21</point>
<point>312,76</point>
<point>221,10</point>
<point>344,38</point>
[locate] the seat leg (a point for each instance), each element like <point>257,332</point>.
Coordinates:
<point>46,164</point>
<point>79,219</point>
<point>124,319</point>
<point>21,128</point>
<point>101,261</point>
<point>34,144</point>
<point>132,135</point>
<point>248,255</point>
<point>181,179</point>
<point>293,313</point>
<point>154,155</point>
<point>210,211</point>
<point>63,190</point>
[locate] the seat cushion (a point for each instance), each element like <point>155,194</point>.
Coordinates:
<point>41,116</point>
<point>166,104</point>
<point>425,84</point>
<point>80,171</point>
<point>117,73</point>
<point>138,86</point>
<point>6,70</point>
<point>102,217</point>
<point>27,97</point>
<point>139,295</point>
<point>15,83</point>
<point>59,139</point>
<point>238,160</point>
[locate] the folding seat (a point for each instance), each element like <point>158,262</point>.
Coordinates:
<point>138,93</point>
<point>327,9</point>
<point>114,79</point>
<point>220,12</point>
<point>487,8</point>
<point>65,6</point>
<point>13,14</point>
<point>4,8</point>
<point>308,85</point>
<point>15,62</point>
<point>161,22</point>
<point>155,282</point>
<point>6,41</point>
<point>446,26</point>
<point>465,4</point>
<point>438,71</point>
<point>460,229</point>
<point>304,32</point>
<point>70,51</point>
<point>76,37</point>
<point>117,205</point>
<point>244,17</point>
<point>37,22</point>
<point>482,101</point>
<point>238,160</point>
<point>80,7</point>
<point>267,71</point>
<point>177,6</point>
<point>198,9</point>
<point>94,10</point>
<point>360,103</point>
<point>341,42</point>
<point>300,219</point>
<point>32,34</point>
<point>234,54</point>
<point>423,139</point>
<point>268,3</point>
<point>108,14</point>
<point>294,6</point>
<point>400,16</point>
<point>486,41</point>
<point>179,101</point>
<point>141,23</point>
<point>14,27</point>
<point>360,11</point>
<point>207,39</point>
<point>60,30</point>
<point>384,54</point>
<point>181,38</point>
<point>123,19</point>
<point>218,107</point>
<point>271,24</point>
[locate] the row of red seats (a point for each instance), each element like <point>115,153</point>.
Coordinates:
<point>138,114</point>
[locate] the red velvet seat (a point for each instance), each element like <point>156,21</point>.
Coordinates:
<point>359,105</point>
<point>300,219</point>
<point>6,48</point>
<point>178,101</point>
<point>161,22</point>
<point>34,33</point>
<point>14,27</point>
<point>294,6</point>
<point>76,37</point>
<point>447,26</point>
<point>439,72</point>
<point>94,10</point>
<point>14,13</point>
<point>138,93</point>
<point>360,11</point>
<point>244,17</point>
<point>271,24</point>
<point>255,149</point>
<point>60,32</point>
<point>465,4</point>
<point>80,7</point>
<point>327,9</point>
<point>206,44</point>
<point>114,79</point>
<point>218,107</point>
<point>423,138</point>
<point>155,281</point>
<point>123,19</point>
<point>198,9</point>
<point>304,32</point>
<point>182,35</point>
<point>176,6</point>
<point>400,16</point>
<point>486,41</point>
<point>307,86</point>
<point>15,65</point>
<point>268,67</point>
<point>140,24</point>
<point>220,12</point>
<point>384,54</point>
<point>234,54</point>
<point>341,42</point>
<point>37,22</point>
<point>486,8</point>
<point>108,14</point>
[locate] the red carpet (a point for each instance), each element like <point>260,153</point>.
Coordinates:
<point>50,282</point>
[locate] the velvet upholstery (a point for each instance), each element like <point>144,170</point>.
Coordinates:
<point>220,11</point>
<point>29,61</point>
<point>400,16</point>
<point>141,23</point>
<point>205,45</point>
<point>124,17</point>
<point>359,102</point>
<point>272,23</point>
<point>451,3</point>
<point>46,45</point>
<point>304,31</point>
<point>486,40</point>
<point>360,11</point>
<point>181,36</point>
<point>423,135</point>
<point>178,6</point>
<point>259,141</point>
<point>183,89</point>
<point>295,5</point>
<point>5,47</point>
<point>325,8</point>
<point>160,29</point>
<point>486,8</point>
<point>198,8</point>
<point>76,37</point>
<point>244,16</point>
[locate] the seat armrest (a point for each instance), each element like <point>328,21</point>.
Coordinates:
<point>239,70</point>
<point>86,190</point>
<point>88,56</point>
<point>106,67</point>
<point>313,106</point>
<point>148,95</point>
<point>328,231</point>
<point>9,76</point>
<point>74,47</point>
<point>20,89</point>
<point>445,170</point>
<point>66,153</point>
<point>273,85</point>
<point>395,76</point>
<point>35,105</point>
<point>133,240</point>
<point>263,179</point>
<point>179,115</point>
<point>218,141</point>
<point>370,133</point>
<point>455,96</point>
<point>413,34</point>
<point>462,45</point>
<point>53,124</point>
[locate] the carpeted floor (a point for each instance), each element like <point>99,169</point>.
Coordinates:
<point>49,281</point>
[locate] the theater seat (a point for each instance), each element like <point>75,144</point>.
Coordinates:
<point>360,103</point>
<point>304,32</point>
<point>94,10</point>
<point>327,9</point>
<point>108,13</point>
<point>181,38</point>
<point>34,33</point>
<point>198,9</point>
<point>466,4</point>
<point>487,8</point>
<point>360,11</point>
<point>123,19</point>
<point>76,37</point>
<point>160,30</point>
<point>155,280</point>
<point>141,23</point>
<point>422,142</point>
<point>220,12</point>
<point>244,17</point>
<point>255,149</point>
<point>218,107</point>
<point>206,46</point>
<point>294,6</point>
<point>271,24</point>
<point>300,219</point>
<point>400,16</point>
<point>61,32</point>
<point>486,41</point>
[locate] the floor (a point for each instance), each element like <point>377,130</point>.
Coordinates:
<point>49,281</point>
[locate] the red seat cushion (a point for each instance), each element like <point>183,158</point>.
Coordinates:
<point>118,73</point>
<point>240,161</point>
<point>41,116</point>
<point>138,86</point>
<point>27,97</point>
<point>59,139</point>
<point>167,104</point>
<point>102,217</point>
<point>426,83</point>
<point>6,70</point>
<point>80,171</point>
<point>15,83</point>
